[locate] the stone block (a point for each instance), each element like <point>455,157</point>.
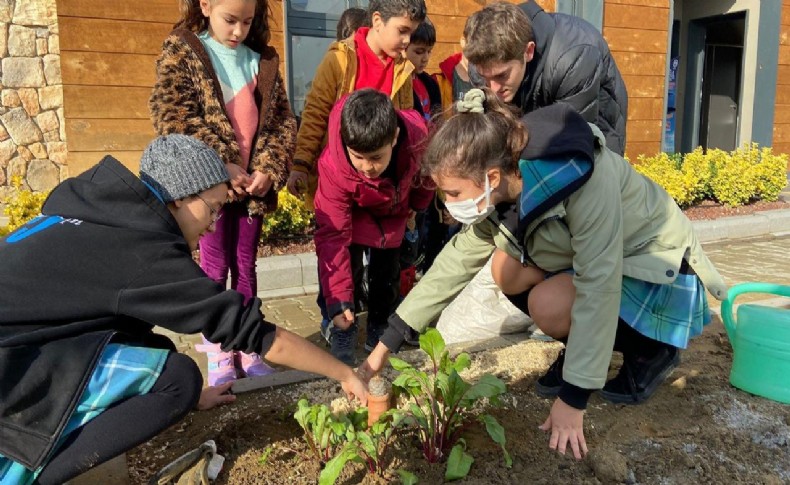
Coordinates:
<point>50,97</point>
<point>42,175</point>
<point>17,167</point>
<point>21,41</point>
<point>47,121</point>
<point>708,231</point>
<point>41,47</point>
<point>23,72</point>
<point>747,226</point>
<point>54,44</point>
<point>62,122</point>
<point>10,98</point>
<point>4,133</point>
<point>7,151</point>
<point>29,98</point>
<point>57,152</point>
<point>25,153</point>
<point>21,127</point>
<point>6,10</point>
<point>3,39</point>
<point>52,69</point>
<point>279,293</point>
<point>35,12</point>
<point>52,136</point>
<point>279,272</point>
<point>38,150</point>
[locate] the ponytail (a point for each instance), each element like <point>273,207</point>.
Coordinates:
<point>484,133</point>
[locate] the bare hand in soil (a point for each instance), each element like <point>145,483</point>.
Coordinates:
<point>355,388</point>
<point>343,320</point>
<point>260,184</point>
<point>565,424</point>
<point>214,396</point>
<point>374,363</point>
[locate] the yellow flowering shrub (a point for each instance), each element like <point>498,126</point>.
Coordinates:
<point>663,170</point>
<point>21,207</point>
<point>735,178</point>
<point>290,219</point>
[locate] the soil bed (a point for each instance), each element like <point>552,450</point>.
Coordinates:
<point>697,428</point>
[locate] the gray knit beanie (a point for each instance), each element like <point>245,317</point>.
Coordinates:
<point>178,166</point>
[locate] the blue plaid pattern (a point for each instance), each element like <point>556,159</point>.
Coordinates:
<point>547,182</point>
<point>122,372</point>
<point>671,313</point>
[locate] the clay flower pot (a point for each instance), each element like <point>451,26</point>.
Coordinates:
<point>378,399</point>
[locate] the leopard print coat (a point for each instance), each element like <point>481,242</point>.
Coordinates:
<point>187,99</point>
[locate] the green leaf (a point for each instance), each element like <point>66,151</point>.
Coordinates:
<point>399,365</point>
<point>459,463</point>
<point>456,389</point>
<point>497,433</point>
<point>367,444</point>
<point>487,386</point>
<point>462,361</point>
<point>335,466</point>
<point>432,343</point>
<point>407,477</point>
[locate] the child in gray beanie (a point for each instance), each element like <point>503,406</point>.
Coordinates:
<point>110,259</point>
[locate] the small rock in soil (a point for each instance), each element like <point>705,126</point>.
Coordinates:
<point>608,465</point>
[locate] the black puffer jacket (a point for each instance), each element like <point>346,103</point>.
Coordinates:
<point>572,64</point>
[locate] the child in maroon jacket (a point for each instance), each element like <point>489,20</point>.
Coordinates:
<point>369,186</point>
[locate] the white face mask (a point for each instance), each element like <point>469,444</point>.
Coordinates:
<point>466,212</point>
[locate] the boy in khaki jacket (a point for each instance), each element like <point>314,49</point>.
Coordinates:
<point>373,58</point>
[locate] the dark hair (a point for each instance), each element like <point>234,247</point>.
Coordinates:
<point>368,121</point>
<point>352,19</point>
<point>192,18</point>
<point>468,144</point>
<point>413,9</point>
<point>498,33</point>
<point>425,34</point>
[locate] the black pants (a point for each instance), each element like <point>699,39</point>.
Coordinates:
<point>383,279</point>
<point>128,423</point>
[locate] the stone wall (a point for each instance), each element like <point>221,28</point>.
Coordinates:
<point>32,132</point>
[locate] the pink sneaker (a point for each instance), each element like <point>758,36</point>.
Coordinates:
<point>253,366</point>
<point>220,364</point>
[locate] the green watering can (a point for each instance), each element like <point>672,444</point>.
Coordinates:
<point>760,343</point>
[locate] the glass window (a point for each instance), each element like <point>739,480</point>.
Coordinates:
<point>311,27</point>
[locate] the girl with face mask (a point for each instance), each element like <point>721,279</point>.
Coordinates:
<point>599,256</point>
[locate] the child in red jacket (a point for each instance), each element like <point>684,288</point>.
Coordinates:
<point>369,185</point>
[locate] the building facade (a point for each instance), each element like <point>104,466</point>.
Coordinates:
<point>698,72</point>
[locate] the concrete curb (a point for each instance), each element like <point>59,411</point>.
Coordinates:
<point>297,274</point>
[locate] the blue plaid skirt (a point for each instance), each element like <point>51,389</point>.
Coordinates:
<point>122,372</point>
<point>671,313</point>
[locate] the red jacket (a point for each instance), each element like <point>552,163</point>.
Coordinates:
<point>350,208</point>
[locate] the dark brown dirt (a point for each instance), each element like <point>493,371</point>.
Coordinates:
<point>713,210</point>
<point>696,429</point>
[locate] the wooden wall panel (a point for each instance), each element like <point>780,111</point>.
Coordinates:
<point>637,34</point>
<point>781,141</point>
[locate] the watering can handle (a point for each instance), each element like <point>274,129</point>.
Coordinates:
<point>737,290</point>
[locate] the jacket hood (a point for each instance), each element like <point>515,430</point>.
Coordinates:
<point>557,131</point>
<point>408,120</point>
<point>447,66</point>
<point>109,194</point>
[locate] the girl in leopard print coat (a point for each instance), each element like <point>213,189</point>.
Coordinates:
<point>218,80</point>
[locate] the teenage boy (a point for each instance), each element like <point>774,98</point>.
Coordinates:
<point>82,376</point>
<point>532,59</point>
<point>373,58</point>
<point>370,185</point>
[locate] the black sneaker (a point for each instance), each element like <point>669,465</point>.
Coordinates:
<point>549,384</point>
<point>639,378</point>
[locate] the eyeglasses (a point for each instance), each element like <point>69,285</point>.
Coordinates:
<point>215,215</point>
